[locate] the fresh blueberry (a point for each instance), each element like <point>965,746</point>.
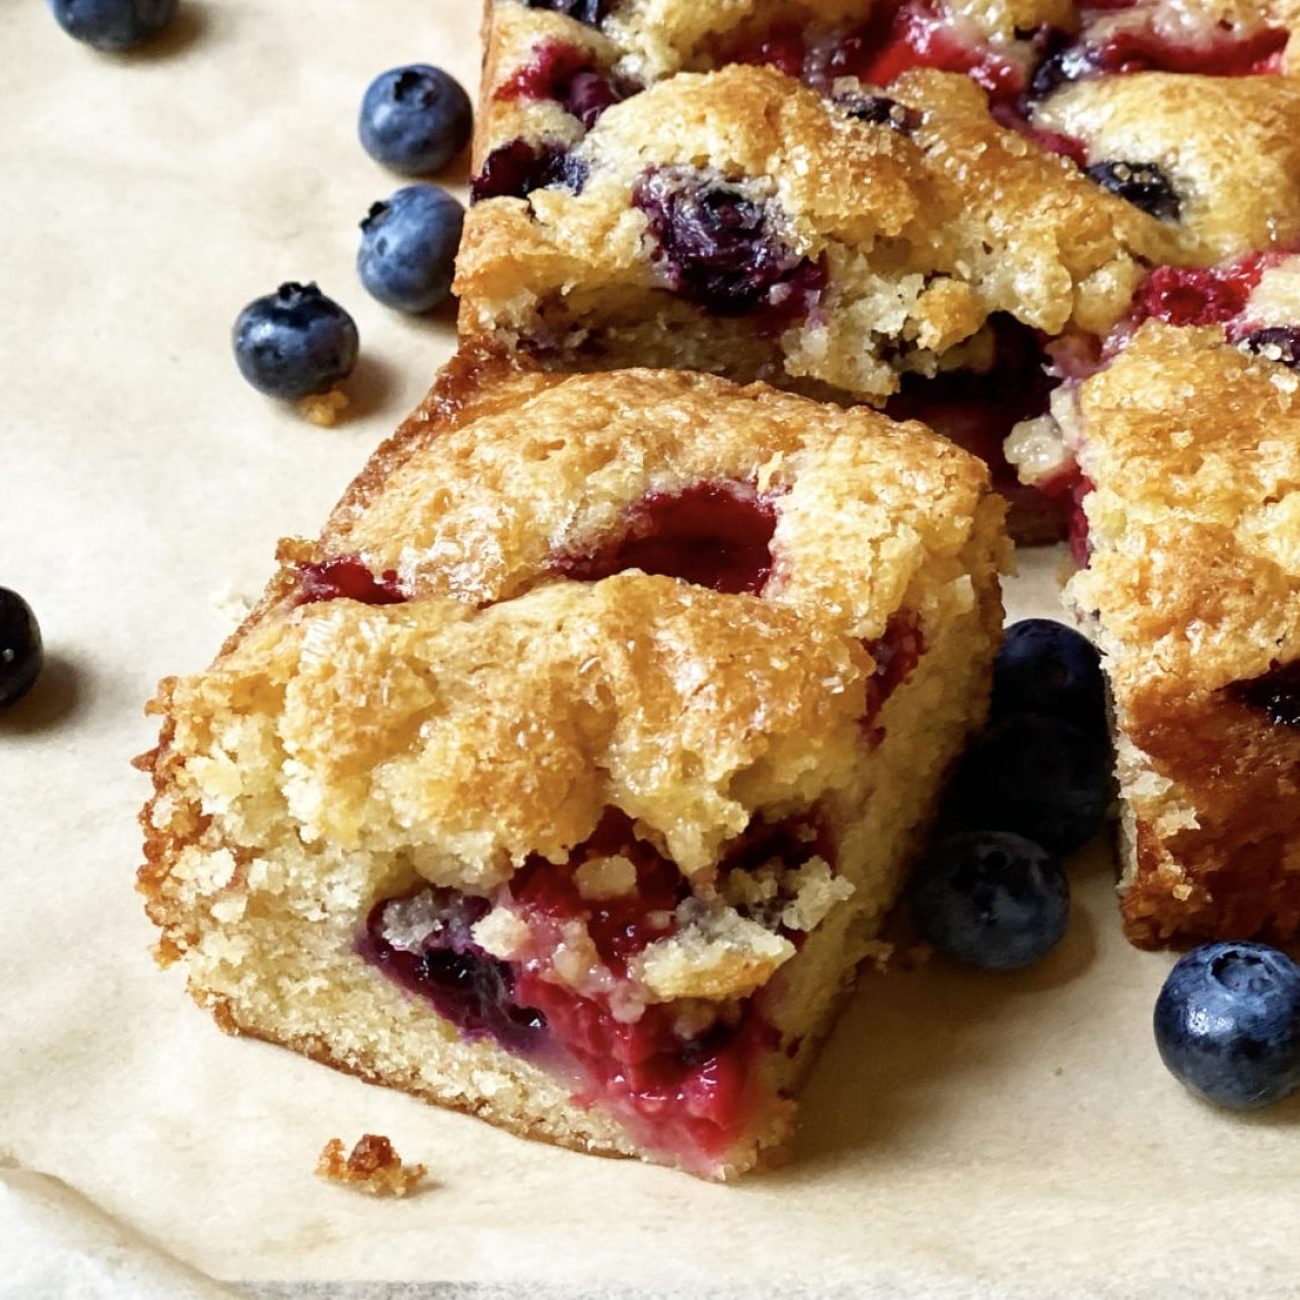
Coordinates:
<point>590,12</point>
<point>1048,668</point>
<point>21,653</point>
<point>113,24</point>
<point>990,899</point>
<point>718,244</point>
<point>294,342</point>
<point>1143,185</point>
<point>1280,343</point>
<point>1039,777</point>
<point>415,119</point>
<point>408,248</point>
<point>517,168</point>
<point>1227,1024</point>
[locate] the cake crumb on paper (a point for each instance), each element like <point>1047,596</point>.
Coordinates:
<point>373,1167</point>
<point>324,409</point>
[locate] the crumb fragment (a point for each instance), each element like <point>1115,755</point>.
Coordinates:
<point>324,409</point>
<point>373,1167</point>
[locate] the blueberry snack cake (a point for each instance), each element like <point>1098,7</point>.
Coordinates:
<point>1185,452</point>
<point>937,208</point>
<point>566,778</point>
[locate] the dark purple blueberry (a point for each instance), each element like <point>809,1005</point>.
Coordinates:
<point>1037,777</point>
<point>21,652</point>
<point>408,248</point>
<point>295,342</point>
<point>590,12</point>
<point>113,24</point>
<point>880,110</point>
<point>588,95</point>
<point>415,119</point>
<point>990,899</point>
<point>1227,1024</point>
<point>1280,343</point>
<point>1276,693</point>
<point>425,943</point>
<point>719,245</point>
<point>516,169</point>
<point>1062,60</point>
<point>1045,667</point>
<point>1143,185</point>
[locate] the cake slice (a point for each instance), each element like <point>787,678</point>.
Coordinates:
<point>1187,454</point>
<point>566,778</point>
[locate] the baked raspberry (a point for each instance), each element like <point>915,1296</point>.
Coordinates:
<point>1198,295</point>
<point>347,578</point>
<point>716,535</point>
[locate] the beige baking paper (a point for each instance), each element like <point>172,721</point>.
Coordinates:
<point>965,1134</point>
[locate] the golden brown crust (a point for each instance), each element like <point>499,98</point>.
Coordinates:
<point>922,237</point>
<point>1195,583</point>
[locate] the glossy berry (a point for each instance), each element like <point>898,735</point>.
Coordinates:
<point>1039,777</point>
<point>1048,668</point>
<point>415,119</point>
<point>1227,1024</point>
<point>516,169</point>
<point>1280,343</point>
<point>21,652</point>
<point>113,24</point>
<point>590,12</point>
<point>294,342</point>
<point>717,243</point>
<point>1143,185</point>
<point>990,899</point>
<point>1276,694</point>
<point>408,248</point>
<point>880,110</point>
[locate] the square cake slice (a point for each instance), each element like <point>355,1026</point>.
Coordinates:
<point>566,778</point>
<point>1188,451</point>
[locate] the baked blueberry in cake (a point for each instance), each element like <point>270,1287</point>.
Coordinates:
<point>1185,453</point>
<point>565,779</point>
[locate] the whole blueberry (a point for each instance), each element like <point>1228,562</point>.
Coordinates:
<point>1280,343</point>
<point>991,899</point>
<point>113,24</point>
<point>408,248</point>
<point>1142,184</point>
<point>1048,668</point>
<point>1037,776</point>
<point>21,653</point>
<point>1227,1023</point>
<point>294,342</point>
<point>415,119</point>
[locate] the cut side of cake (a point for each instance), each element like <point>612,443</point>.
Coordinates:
<point>566,778</point>
<point>1186,454</point>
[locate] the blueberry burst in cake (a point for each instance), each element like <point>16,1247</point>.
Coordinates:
<point>566,778</point>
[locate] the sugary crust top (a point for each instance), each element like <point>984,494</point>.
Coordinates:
<point>1229,145</point>
<point>978,216</point>
<point>501,710</point>
<point>1195,448</point>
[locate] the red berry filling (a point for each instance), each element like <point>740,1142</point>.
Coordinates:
<point>1198,295</point>
<point>347,578</point>
<point>564,73</point>
<point>716,535</point>
<point>687,1093</point>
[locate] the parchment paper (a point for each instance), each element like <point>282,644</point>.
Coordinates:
<point>965,1135</point>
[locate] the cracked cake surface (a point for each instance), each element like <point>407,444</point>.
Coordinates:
<point>504,796</point>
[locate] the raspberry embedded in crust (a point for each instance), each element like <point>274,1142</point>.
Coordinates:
<point>564,73</point>
<point>1198,295</point>
<point>347,578</point>
<point>716,535</point>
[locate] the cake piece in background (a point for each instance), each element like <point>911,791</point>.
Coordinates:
<point>566,779</point>
<point>1187,458</point>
